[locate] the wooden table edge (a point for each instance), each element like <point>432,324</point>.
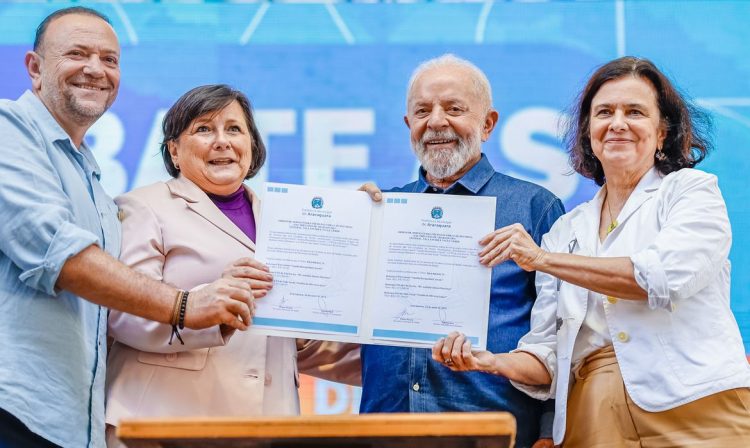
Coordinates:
<point>481,424</point>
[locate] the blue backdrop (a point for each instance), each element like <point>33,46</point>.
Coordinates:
<point>328,83</point>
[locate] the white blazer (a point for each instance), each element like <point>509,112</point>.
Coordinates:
<point>174,233</point>
<point>680,345</point>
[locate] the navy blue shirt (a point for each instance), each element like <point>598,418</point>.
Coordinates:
<point>397,379</point>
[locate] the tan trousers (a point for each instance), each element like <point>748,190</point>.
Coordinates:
<point>601,414</point>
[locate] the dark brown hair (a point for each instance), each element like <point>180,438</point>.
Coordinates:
<point>204,100</point>
<point>688,127</point>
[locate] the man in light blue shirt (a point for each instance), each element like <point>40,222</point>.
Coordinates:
<point>59,240</point>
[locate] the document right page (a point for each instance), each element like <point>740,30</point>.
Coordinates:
<point>429,281</point>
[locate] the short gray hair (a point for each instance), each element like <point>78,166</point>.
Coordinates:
<point>479,79</point>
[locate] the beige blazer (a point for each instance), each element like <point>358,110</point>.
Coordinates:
<point>174,233</point>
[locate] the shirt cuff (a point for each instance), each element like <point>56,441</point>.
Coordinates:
<point>547,357</point>
<point>69,240</point>
<point>650,276</point>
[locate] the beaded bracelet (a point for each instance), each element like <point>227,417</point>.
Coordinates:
<point>178,316</point>
<point>183,308</point>
<point>176,308</point>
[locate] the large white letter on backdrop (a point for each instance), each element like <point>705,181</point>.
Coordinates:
<point>271,122</point>
<point>323,156</point>
<point>518,144</point>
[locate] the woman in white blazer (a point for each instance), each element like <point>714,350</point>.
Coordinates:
<point>632,332</point>
<point>187,232</point>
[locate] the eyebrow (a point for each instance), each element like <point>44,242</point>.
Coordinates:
<point>200,120</point>
<point>454,100</point>
<point>610,105</point>
<point>451,100</point>
<point>89,48</point>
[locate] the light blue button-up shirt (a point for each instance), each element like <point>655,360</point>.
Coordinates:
<point>52,342</point>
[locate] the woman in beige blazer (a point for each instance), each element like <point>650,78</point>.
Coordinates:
<point>176,233</point>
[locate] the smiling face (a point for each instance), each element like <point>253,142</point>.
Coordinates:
<point>76,71</point>
<point>626,126</point>
<point>447,120</point>
<point>215,151</point>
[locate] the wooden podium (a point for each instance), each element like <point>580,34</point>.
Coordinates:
<point>454,430</point>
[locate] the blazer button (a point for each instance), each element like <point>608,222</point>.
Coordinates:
<point>612,300</point>
<point>623,337</point>
<point>170,357</point>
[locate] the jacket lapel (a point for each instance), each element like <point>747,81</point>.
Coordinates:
<point>197,201</point>
<point>586,224</point>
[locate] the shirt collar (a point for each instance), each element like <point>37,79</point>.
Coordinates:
<point>476,178</point>
<point>89,156</point>
<point>650,181</point>
<point>53,132</point>
<point>51,129</point>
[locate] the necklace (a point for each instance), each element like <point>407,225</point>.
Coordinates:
<point>613,221</point>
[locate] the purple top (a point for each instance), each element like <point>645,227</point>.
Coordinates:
<point>238,209</point>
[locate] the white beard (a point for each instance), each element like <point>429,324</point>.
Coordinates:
<point>444,163</point>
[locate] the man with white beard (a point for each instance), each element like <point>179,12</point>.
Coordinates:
<point>449,114</point>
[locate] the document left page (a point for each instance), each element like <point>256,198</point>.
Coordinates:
<point>315,242</point>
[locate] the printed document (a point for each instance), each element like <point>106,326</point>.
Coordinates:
<point>404,271</point>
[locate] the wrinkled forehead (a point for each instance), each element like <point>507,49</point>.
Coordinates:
<point>445,83</point>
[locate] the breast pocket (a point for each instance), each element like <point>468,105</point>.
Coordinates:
<point>190,360</point>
